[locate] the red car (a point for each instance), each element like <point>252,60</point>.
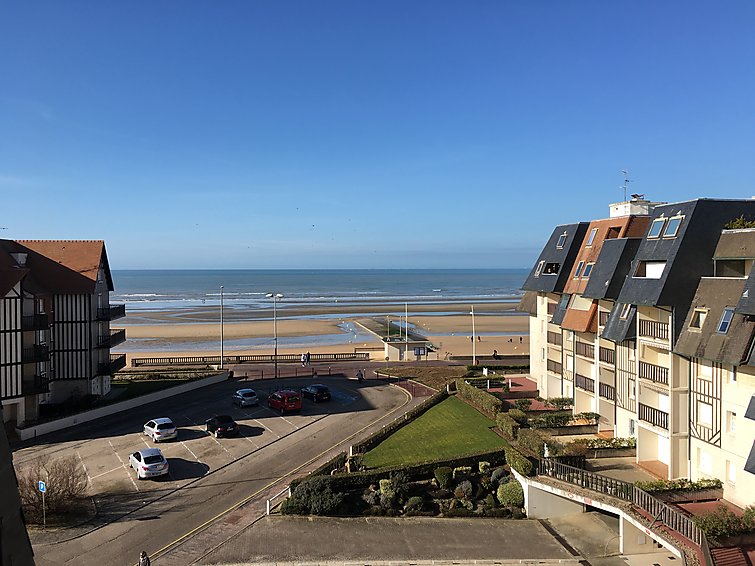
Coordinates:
<point>285,400</point>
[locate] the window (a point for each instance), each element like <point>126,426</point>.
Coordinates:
<point>672,227</point>
<point>723,326</point>
<point>705,414</point>
<point>631,427</point>
<point>551,268</point>
<point>577,273</point>
<point>656,227</point>
<point>650,269</point>
<point>539,268</point>
<point>698,319</point>
<point>588,269</point>
<point>613,232</point>
<point>564,302</point>
<point>543,354</point>
<point>625,310</point>
<point>731,422</point>
<point>591,237</point>
<point>561,241</point>
<point>632,389</point>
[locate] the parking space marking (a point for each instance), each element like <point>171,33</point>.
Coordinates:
<point>104,473</point>
<point>213,437</point>
<point>192,453</point>
<point>85,468</point>
<point>289,422</point>
<point>127,469</point>
<point>266,428</point>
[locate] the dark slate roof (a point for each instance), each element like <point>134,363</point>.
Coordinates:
<point>564,257</point>
<point>736,244</point>
<point>688,256</point>
<point>528,303</point>
<point>561,308</point>
<point>746,304</point>
<point>611,268</point>
<point>618,329</point>
<point>750,464</point>
<point>750,413</point>
<point>715,294</point>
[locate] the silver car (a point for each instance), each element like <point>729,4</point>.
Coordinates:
<point>148,463</point>
<point>245,398</point>
<point>160,429</point>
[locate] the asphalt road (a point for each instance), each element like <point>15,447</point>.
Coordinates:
<point>208,475</point>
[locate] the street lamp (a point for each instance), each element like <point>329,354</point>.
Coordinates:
<point>222,357</point>
<point>474,345</point>
<point>275,297</point>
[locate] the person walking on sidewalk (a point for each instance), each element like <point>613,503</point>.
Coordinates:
<point>144,559</point>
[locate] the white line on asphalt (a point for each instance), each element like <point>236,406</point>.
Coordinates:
<point>127,469</point>
<point>263,426</point>
<point>84,466</point>
<point>103,473</point>
<point>213,437</point>
<point>289,422</point>
<point>190,452</point>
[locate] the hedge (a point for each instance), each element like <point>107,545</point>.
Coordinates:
<point>483,400</point>
<point>551,420</point>
<point>519,462</point>
<point>507,425</point>
<point>533,440</point>
<point>614,443</point>
<point>518,415</point>
<point>501,368</point>
<point>682,484</point>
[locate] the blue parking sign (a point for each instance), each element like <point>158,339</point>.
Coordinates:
<point>42,486</point>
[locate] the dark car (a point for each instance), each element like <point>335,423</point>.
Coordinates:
<point>317,392</point>
<point>285,400</point>
<point>222,425</point>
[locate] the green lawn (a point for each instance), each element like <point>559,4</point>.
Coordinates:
<point>451,428</point>
<point>136,388</point>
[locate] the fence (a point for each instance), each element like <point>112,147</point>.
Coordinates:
<point>249,359</point>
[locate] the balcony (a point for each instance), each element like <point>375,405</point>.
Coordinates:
<point>35,322</point>
<point>116,336</point>
<point>35,384</point>
<point>117,362</point>
<point>35,353</point>
<point>653,329</point>
<point>655,373</point>
<point>584,349</point>
<point>551,308</point>
<point>554,366</point>
<point>584,382</point>
<point>606,355</point>
<point>555,338</point>
<point>651,415</point>
<point>111,313</point>
<point>603,318</point>
<point>606,391</point>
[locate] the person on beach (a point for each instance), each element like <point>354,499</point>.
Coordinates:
<point>304,360</point>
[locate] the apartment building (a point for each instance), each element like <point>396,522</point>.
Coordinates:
<point>608,339</point>
<point>55,316</point>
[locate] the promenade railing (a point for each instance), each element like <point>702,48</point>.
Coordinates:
<point>249,359</point>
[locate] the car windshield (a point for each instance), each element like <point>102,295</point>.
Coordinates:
<point>165,426</point>
<point>293,399</point>
<point>156,459</point>
<point>224,419</point>
<point>248,394</point>
<point>321,389</point>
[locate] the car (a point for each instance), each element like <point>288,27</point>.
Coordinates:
<point>316,392</point>
<point>148,463</point>
<point>160,429</point>
<point>285,400</point>
<point>222,425</point>
<point>245,398</point>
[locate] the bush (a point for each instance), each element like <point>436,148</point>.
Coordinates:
<point>490,501</point>
<point>575,448</point>
<point>593,418</point>
<point>533,440</point>
<point>723,523</point>
<point>551,420</point>
<point>519,462</point>
<point>400,484</point>
<point>518,415</point>
<point>463,491</point>
<point>498,474</point>
<point>507,425</point>
<point>523,404</point>
<point>444,475</point>
<point>413,504</point>
<point>561,403</point>
<point>483,400</point>
<point>462,472</point>
<point>483,467</point>
<point>66,486</point>
<point>630,442</point>
<point>511,495</point>
<point>682,484</point>
<point>313,496</point>
<point>386,489</point>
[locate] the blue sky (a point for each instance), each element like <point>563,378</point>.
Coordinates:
<point>391,134</point>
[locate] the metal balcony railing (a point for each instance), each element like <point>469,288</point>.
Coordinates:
<point>653,329</point>
<point>606,355</point>
<point>34,384</point>
<point>555,338</point>
<point>112,312</point>
<point>554,366</point>
<point>651,415</point>
<point>35,353</point>
<point>653,372</point>
<point>35,322</point>
<point>115,337</point>
<point>606,391</point>
<point>117,362</point>
<point>584,349</point>
<point>584,382</point>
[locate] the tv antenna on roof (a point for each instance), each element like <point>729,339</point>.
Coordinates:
<point>627,180</point>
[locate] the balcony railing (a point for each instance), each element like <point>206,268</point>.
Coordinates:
<point>116,336</point>
<point>555,338</point>
<point>35,322</point>
<point>551,309</point>
<point>606,355</point>
<point>35,384</point>
<point>653,329</point>
<point>584,349</point>
<point>651,415</point>
<point>603,318</point>
<point>606,391</point>
<point>112,312</point>
<point>117,362</point>
<point>653,372</point>
<point>554,366</point>
<point>584,382</point>
<point>36,353</point>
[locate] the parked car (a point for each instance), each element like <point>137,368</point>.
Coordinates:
<point>161,429</point>
<point>148,463</point>
<point>245,398</point>
<point>222,425</point>
<point>317,392</point>
<point>285,400</point>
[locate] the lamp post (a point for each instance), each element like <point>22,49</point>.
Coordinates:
<point>406,330</point>
<point>222,357</point>
<point>474,345</point>
<point>275,297</point>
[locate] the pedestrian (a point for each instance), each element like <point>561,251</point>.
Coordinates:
<point>495,354</point>
<point>360,375</point>
<point>308,357</point>
<point>304,360</point>
<point>520,339</point>
<point>144,559</point>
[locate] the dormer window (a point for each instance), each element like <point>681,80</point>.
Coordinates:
<point>539,268</point>
<point>625,310</point>
<point>587,271</point>
<point>650,269</point>
<point>723,325</point>
<point>577,273</point>
<point>655,228</point>
<point>591,237</point>
<point>561,241</point>
<point>698,319</point>
<point>672,228</point>
<point>551,268</point>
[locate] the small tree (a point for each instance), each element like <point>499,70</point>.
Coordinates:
<point>66,486</point>
<point>523,404</point>
<point>511,494</point>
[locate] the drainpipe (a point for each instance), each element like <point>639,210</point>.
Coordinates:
<point>615,389</point>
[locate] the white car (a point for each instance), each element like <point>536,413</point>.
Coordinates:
<point>160,429</point>
<point>245,398</point>
<point>148,463</point>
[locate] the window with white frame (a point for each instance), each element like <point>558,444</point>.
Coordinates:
<point>587,271</point>
<point>705,414</point>
<point>578,272</point>
<point>625,310</point>
<point>591,237</point>
<point>561,241</point>
<point>672,228</point>
<point>539,268</point>
<point>698,319</point>
<point>731,422</point>
<point>650,269</point>
<point>723,325</point>
<point>656,227</point>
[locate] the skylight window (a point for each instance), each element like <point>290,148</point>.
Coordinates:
<point>577,273</point>
<point>587,271</point>
<point>625,310</point>
<point>723,326</point>
<point>698,318</point>
<point>539,268</point>
<point>656,227</point>
<point>672,227</point>
<point>591,237</point>
<point>561,241</point>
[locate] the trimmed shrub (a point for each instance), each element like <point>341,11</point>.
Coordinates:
<point>519,462</point>
<point>594,443</point>
<point>413,504</point>
<point>386,489</point>
<point>561,403</point>
<point>723,523</point>
<point>518,415</point>
<point>462,472</point>
<point>534,441</point>
<point>551,420</point>
<point>490,501</point>
<point>507,425</point>
<point>483,400</point>
<point>682,484</point>
<point>511,495</point>
<point>575,448</point>
<point>400,484</point>
<point>498,474</point>
<point>313,496</point>
<point>444,475</point>
<point>483,467</point>
<point>463,491</point>
<point>523,404</point>
<point>592,417</point>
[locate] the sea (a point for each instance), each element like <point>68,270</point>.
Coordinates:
<point>247,289</point>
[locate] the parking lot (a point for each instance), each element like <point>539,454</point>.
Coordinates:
<point>103,447</point>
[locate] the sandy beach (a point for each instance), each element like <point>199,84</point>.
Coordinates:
<point>320,329</point>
